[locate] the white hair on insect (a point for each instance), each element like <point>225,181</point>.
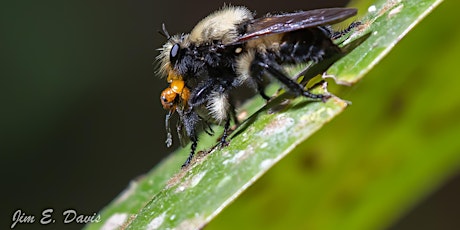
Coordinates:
<point>218,106</point>
<point>221,25</point>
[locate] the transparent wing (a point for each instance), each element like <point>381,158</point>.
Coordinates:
<point>283,23</point>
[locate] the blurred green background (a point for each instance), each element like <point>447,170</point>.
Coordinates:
<point>80,115</point>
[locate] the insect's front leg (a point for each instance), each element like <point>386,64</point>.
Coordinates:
<point>190,120</point>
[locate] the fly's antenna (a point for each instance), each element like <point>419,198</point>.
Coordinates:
<point>164,32</point>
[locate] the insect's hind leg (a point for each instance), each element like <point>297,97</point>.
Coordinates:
<point>275,70</point>
<point>341,33</point>
<point>261,90</point>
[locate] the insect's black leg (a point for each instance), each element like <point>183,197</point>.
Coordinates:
<point>231,114</point>
<point>223,139</point>
<point>261,89</point>
<point>340,33</point>
<point>192,151</point>
<point>293,86</point>
<point>208,129</point>
<point>256,72</point>
<point>189,120</point>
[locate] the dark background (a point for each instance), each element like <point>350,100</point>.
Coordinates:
<point>80,111</point>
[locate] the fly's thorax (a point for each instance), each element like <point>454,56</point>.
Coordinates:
<point>222,25</point>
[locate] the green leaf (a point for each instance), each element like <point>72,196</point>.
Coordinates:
<point>170,197</point>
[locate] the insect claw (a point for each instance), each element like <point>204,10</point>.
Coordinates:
<point>325,97</point>
<point>223,143</point>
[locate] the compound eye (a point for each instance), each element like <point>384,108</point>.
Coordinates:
<point>174,54</point>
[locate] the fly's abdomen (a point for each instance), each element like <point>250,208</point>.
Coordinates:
<point>311,44</point>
